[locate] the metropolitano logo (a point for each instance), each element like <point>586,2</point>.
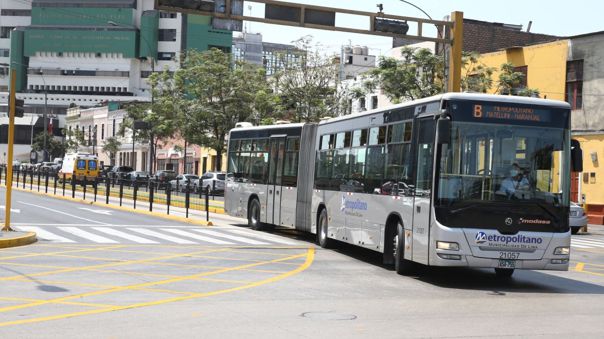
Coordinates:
<point>480,238</point>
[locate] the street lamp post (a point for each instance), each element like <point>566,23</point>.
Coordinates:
<point>45,148</point>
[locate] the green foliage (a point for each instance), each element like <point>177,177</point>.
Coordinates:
<point>56,148</point>
<point>74,138</point>
<point>508,79</point>
<point>477,77</point>
<point>417,75</point>
<point>111,147</point>
<point>308,90</point>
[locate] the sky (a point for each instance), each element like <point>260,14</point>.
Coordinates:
<point>554,17</point>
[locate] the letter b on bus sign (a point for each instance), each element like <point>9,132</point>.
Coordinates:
<point>477,111</point>
<point>19,110</point>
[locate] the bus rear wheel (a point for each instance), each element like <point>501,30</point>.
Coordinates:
<point>253,215</point>
<point>402,266</point>
<point>322,232</point>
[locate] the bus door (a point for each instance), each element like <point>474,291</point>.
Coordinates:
<point>423,189</point>
<point>275,171</point>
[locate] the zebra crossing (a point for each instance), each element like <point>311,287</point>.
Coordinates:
<point>135,234</point>
<point>586,242</point>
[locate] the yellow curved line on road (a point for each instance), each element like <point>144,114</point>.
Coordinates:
<point>307,262</point>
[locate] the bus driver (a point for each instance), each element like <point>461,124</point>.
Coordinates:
<point>515,181</point>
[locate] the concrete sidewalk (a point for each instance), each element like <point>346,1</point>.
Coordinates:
<point>15,238</point>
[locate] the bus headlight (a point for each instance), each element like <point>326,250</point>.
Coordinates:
<point>450,246</point>
<point>562,250</point>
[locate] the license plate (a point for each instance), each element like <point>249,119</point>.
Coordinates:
<point>506,263</point>
<point>574,213</point>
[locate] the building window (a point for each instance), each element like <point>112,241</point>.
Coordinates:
<point>15,12</point>
<point>113,131</point>
<point>102,131</point>
<point>167,35</point>
<point>167,15</point>
<point>574,83</point>
<point>524,71</point>
<point>362,105</point>
<point>374,101</point>
<point>5,32</point>
<point>166,55</point>
<point>4,52</point>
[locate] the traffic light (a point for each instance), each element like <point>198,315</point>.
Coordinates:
<point>391,26</point>
<point>19,110</point>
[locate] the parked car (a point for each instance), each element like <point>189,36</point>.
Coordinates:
<point>49,167</point>
<point>577,218</point>
<point>163,177</point>
<point>137,177</point>
<point>181,181</point>
<point>119,172</point>
<point>212,181</point>
<point>105,169</point>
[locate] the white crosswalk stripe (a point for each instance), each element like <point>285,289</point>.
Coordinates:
<point>87,235</point>
<point>124,235</point>
<point>232,237</point>
<point>196,236</point>
<point>158,235</point>
<point>587,242</point>
<point>263,236</point>
<point>131,234</point>
<point>44,234</point>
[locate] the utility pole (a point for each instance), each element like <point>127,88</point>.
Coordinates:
<point>454,83</point>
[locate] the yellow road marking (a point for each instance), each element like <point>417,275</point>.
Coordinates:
<point>579,267</point>
<point>60,302</point>
<point>237,259</point>
<point>309,259</point>
<point>29,255</point>
<point>112,264</point>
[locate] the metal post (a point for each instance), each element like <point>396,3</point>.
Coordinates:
<point>73,184</point>
<point>121,190</point>
<point>133,156</point>
<point>187,200</point>
<point>96,187</point>
<point>31,179</point>
<point>38,180</point>
<point>55,184</point>
<point>46,183</point>
<point>168,197</point>
<point>11,141</point>
<point>151,198</point>
<point>17,181</point>
<point>207,204</point>
<point>45,151</point>
<point>63,183</point>
<point>84,188</point>
<point>107,190</point>
<point>135,190</point>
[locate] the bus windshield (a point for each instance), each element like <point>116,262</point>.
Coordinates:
<point>492,172</point>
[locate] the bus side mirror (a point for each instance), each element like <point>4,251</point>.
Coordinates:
<point>576,156</point>
<point>444,131</point>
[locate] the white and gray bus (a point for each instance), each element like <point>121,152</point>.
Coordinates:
<point>457,179</point>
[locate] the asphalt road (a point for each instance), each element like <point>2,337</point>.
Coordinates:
<point>286,289</point>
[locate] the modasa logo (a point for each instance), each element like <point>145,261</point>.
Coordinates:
<point>352,204</point>
<point>482,237</point>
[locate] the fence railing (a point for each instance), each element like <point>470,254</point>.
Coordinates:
<point>141,192</point>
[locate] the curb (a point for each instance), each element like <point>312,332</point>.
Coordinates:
<point>122,208</point>
<point>26,239</point>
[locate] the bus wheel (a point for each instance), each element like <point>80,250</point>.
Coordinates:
<point>322,236</point>
<point>504,273</point>
<point>253,215</point>
<point>402,266</point>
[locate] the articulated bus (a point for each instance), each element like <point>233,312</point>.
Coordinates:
<point>458,179</point>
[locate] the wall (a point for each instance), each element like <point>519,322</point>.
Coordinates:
<point>546,66</point>
<point>590,49</point>
<point>592,189</point>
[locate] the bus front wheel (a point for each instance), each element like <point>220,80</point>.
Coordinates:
<point>253,215</point>
<point>322,232</point>
<point>402,266</point>
<point>504,273</point>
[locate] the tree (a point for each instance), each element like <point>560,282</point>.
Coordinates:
<point>477,76</point>
<point>308,89</point>
<point>111,147</point>
<point>56,148</point>
<point>510,82</point>
<point>74,138</point>
<point>418,74</point>
<point>215,94</point>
